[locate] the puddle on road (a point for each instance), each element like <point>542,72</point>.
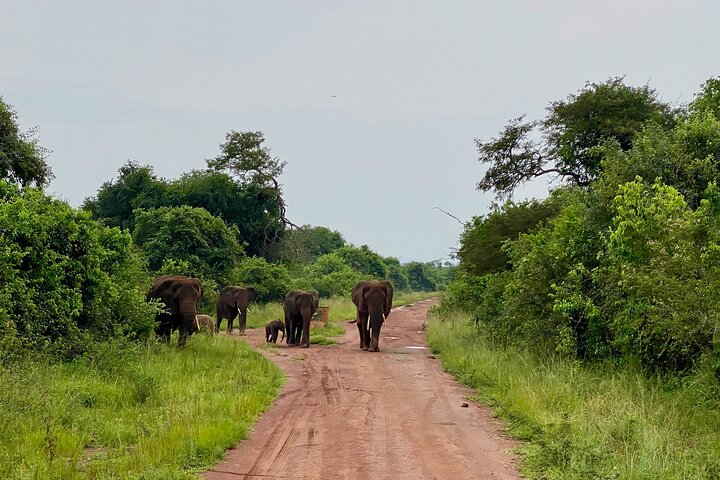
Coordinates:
<point>414,347</point>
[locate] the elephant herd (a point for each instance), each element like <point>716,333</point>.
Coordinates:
<point>180,295</point>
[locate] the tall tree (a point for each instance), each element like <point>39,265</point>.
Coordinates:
<point>244,156</point>
<point>22,159</point>
<point>569,136</point>
<point>136,187</point>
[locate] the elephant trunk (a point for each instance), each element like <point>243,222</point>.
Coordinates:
<point>188,312</point>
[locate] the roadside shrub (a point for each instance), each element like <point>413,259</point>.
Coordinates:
<point>66,278</point>
<point>660,276</point>
<point>271,280</point>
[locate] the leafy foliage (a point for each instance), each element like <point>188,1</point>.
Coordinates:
<point>482,240</point>
<point>570,134</point>
<point>305,244</point>
<point>22,160</point>
<point>136,187</point>
<point>272,281</point>
<point>65,277</point>
<point>191,235</point>
<point>250,208</point>
<point>625,267</point>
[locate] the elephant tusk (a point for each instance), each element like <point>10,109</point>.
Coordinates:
<point>197,323</point>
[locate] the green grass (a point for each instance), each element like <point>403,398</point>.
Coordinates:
<point>151,412</point>
<point>588,421</point>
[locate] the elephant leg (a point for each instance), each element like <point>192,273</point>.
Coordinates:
<point>164,334</point>
<point>305,342</point>
<point>362,323</point>
<point>231,318</point>
<point>297,328</point>
<point>242,319</point>
<point>182,338</point>
<point>163,330</point>
<point>375,340</point>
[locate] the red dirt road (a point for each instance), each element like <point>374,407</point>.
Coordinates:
<point>348,414</point>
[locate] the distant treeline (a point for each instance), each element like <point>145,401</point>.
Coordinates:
<point>622,260</point>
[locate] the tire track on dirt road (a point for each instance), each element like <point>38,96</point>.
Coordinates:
<point>348,414</point>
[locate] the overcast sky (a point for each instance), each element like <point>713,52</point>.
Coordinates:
<point>374,105</point>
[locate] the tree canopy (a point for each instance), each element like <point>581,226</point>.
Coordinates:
<point>569,136</point>
<point>22,159</point>
<point>186,234</point>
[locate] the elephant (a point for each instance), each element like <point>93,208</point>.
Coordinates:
<point>299,307</point>
<point>271,331</point>
<point>179,295</point>
<point>232,302</point>
<point>206,323</point>
<point>373,299</point>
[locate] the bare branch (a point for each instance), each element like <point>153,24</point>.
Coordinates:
<point>450,215</point>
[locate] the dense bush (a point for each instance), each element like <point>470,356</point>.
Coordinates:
<point>65,277</point>
<point>624,267</point>
<point>271,280</point>
<point>208,246</point>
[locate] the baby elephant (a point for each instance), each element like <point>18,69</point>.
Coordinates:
<point>271,330</point>
<point>205,323</point>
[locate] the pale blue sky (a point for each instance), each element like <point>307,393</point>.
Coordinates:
<point>374,105</point>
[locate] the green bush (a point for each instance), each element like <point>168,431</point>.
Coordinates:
<point>65,277</point>
<point>208,246</point>
<point>271,280</point>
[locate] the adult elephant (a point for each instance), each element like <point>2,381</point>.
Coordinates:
<point>373,299</point>
<point>299,307</point>
<point>179,295</point>
<point>233,302</point>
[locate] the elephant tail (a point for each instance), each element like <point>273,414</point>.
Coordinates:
<point>283,336</point>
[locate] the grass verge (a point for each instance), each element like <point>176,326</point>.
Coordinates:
<point>128,411</point>
<point>587,421</point>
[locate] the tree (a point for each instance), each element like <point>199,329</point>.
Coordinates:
<point>708,99</point>
<point>330,275</point>
<point>244,156</point>
<point>570,135</point>
<point>248,206</point>
<point>192,235</point>
<point>22,160</point>
<point>481,242</point>
<point>363,260</point>
<point>397,274</point>
<point>419,277</point>
<point>307,243</point>
<point>136,187</point>
<point>271,280</point>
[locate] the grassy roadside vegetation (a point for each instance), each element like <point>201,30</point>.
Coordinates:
<point>586,421</point>
<point>341,309</point>
<point>131,411</point>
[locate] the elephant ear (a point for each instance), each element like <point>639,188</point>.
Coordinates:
<point>388,298</point>
<point>198,287</point>
<point>357,296</point>
<point>252,294</point>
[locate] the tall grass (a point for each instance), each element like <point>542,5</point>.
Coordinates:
<point>588,422</point>
<point>131,412</point>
